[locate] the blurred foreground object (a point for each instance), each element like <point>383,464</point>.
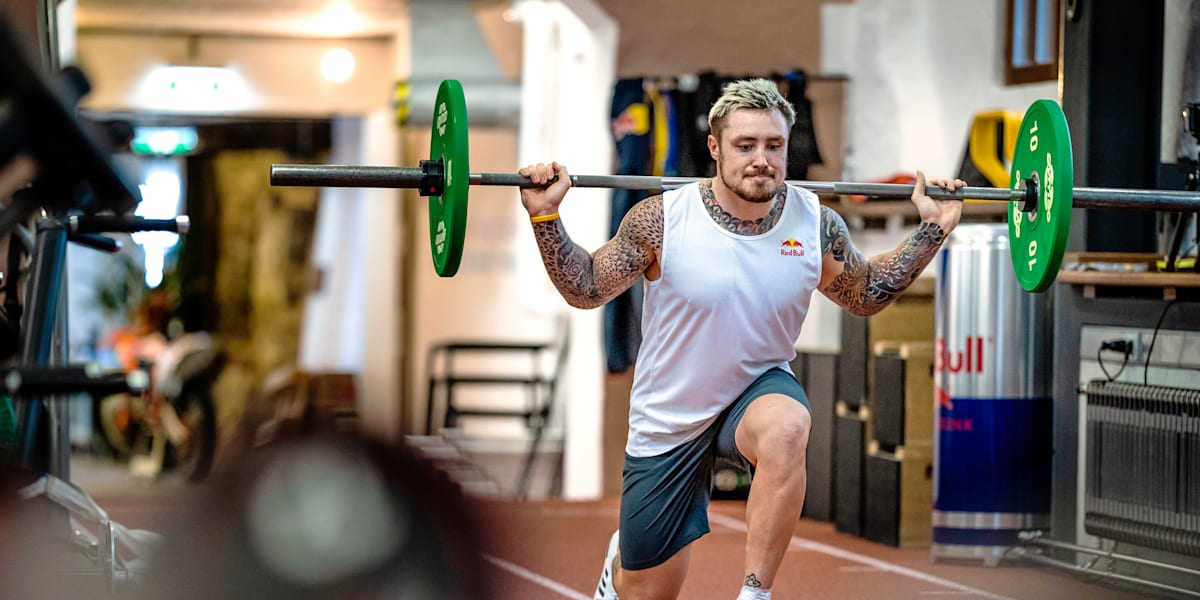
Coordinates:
<point>324,516</point>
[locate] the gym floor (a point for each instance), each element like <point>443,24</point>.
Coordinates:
<point>553,549</point>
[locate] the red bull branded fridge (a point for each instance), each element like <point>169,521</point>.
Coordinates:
<point>992,364</point>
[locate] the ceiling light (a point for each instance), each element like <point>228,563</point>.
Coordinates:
<point>202,89</point>
<point>339,18</point>
<point>337,65</point>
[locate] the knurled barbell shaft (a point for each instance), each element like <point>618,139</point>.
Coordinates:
<point>1134,199</point>
<point>410,177</point>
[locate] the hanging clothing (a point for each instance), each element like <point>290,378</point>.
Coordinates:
<point>802,144</point>
<point>695,136</point>
<point>631,128</point>
<point>691,132</point>
<point>660,112</point>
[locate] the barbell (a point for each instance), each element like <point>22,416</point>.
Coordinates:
<point>1041,194</point>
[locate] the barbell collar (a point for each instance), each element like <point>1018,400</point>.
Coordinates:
<point>433,178</point>
<point>1029,194</point>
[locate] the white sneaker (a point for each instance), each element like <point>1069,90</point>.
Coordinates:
<point>605,590</point>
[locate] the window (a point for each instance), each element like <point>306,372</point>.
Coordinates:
<point>1031,48</point>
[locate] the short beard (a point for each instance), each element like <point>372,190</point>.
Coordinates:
<point>747,191</point>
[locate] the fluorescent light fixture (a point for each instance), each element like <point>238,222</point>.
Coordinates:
<point>194,89</point>
<point>339,18</point>
<point>164,140</point>
<point>337,65</point>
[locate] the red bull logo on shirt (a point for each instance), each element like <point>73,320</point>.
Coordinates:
<point>791,247</point>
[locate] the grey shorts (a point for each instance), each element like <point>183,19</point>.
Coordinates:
<point>664,498</point>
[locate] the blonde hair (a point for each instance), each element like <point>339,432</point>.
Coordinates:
<point>753,94</point>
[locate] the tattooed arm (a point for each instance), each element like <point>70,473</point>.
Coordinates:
<point>588,280</point>
<point>865,287</point>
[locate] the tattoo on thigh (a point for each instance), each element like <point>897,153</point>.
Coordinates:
<point>752,581</point>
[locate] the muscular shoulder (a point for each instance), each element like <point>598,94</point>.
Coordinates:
<point>835,237</point>
<point>643,224</point>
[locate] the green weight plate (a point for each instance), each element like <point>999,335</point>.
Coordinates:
<point>448,212</point>
<point>1038,240</point>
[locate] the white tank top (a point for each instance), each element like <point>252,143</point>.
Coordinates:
<point>726,309</point>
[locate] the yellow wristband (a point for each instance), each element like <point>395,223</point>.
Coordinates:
<point>543,218</point>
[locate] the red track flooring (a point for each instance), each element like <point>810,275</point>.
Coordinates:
<point>554,550</point>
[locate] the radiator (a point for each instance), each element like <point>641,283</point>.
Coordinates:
<point>1143,465</point>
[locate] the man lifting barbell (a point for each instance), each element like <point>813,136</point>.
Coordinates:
<point>1042,192</point>
<point>730,264</point>
<point>688,258</point>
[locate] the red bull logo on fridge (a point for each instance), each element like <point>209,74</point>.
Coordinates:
<point>965,358</point>
<point>950,423</point>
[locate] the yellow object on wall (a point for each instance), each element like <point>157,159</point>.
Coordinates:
<point>986,127</point>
